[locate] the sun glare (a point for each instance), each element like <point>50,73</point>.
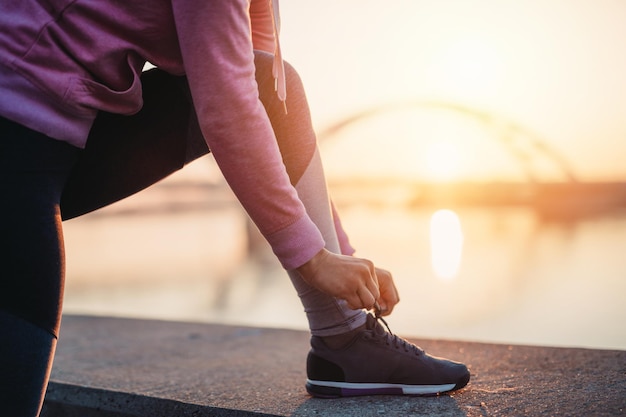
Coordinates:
<point>446,243</point>
<point>467,67</point>
<point>442,160</point>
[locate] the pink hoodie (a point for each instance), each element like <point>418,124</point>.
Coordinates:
<point>63,60</point>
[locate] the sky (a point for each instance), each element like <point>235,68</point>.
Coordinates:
<point>555,68</point>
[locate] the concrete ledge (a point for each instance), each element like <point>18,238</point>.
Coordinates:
<point>113,367</point>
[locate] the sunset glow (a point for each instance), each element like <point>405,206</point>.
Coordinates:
<point>446,243</point>
<point>468,68</point>
<point>442,160</point>
<point>556,68</point>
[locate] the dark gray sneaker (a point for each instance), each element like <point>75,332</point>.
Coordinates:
<point>378,362</point>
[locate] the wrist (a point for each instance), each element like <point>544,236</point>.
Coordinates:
<point>309,268</point>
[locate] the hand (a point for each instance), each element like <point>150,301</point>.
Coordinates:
<point>388,292</point>
<point>346,277</point>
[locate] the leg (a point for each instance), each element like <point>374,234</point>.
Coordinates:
<point>351,353</point>
<point>296,139</point>
<point>126,154</point>
<point>33,169</point>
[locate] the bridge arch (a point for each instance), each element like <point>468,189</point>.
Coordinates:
<point>521,142</point>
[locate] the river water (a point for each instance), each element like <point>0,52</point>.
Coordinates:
<point>478,274</point>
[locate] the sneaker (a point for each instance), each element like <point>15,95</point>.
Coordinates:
<point>376,361</point>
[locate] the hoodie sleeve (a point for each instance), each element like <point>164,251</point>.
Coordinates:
<point>216,46</point>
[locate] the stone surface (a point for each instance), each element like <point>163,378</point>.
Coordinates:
<point>114,367</point>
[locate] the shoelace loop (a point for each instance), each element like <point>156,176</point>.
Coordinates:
<point>392,338</point>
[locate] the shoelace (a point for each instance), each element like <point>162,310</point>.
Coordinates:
<point>391,338</point>
<point>278,68</point>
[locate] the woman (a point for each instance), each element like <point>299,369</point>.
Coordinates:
<point>81,126</point>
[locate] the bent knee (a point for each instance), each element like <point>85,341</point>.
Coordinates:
<point>264,63</point>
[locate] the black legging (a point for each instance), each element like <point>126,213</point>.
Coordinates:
<point>33,169</point>
<point>43,180</point>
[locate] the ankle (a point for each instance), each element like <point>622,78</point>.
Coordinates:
<point>339,341</point>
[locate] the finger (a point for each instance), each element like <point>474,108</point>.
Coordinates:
<point>388,300</point>
<point>353,300</point>
<point>367,299</point>
<point>361,299</point>
<point>385,308</point>
<point>372,283</point>
<point>382,308</point>
<point>389,294</point>
<point>354,303</point>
